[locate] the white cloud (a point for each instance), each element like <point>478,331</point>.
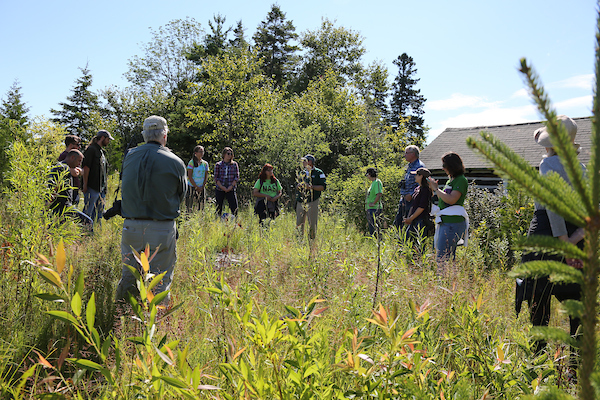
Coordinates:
<point>583,102</point>
<point>520,94</point>
<point>574,82</point>
<point>456,101</point>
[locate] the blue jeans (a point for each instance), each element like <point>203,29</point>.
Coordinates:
<point>93,204</point>
<point>448,235</point>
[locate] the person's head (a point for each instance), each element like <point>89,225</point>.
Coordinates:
<point>308,161</point>
<point>452,164</point>
<point>266,173</point>
<point>542,136</point>
<point>74,158</point>
<point>411,153</point>
<point>103,138</point>
<point>72,142</point>
<point>155,130</point>
<point>198,154</point>
<point>371,173</point>
<point>420,174</point>
<point>227,154</point>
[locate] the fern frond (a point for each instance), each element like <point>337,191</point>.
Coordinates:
<point>559,138</point>
<point>557,271</point>
<point>551,245</point>
<point>547,190</point>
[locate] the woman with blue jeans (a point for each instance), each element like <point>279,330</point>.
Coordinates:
<point>452,226</point>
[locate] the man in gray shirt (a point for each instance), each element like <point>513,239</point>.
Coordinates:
<point>153,187</point>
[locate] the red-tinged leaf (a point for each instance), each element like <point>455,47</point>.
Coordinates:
<point>236,355</point>
<point>319,311</point>
<point>43,361</point>
<point>43,260</point>
<point>153,254</point>
<point>408,333</point>
<point>383,313</point>
<point>64,353</point>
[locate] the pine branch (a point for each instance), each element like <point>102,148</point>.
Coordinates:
<point>546,189</point>
<point>557,334</point>
<point>574,308</point>
<point>550,245</point>
<point>556,271</point>
<point>559,138</point>
<point>594,162</point>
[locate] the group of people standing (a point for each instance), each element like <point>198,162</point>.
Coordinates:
<point>415,208</point>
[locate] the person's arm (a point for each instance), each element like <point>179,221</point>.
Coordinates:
<point>377,198</point>
<point>190,176</point>
<point>279,193</point>
<point>86,175</point>
<point>218,183</point>
<point>409,220</point>
<point>448,198</point>
<point>205,175</point>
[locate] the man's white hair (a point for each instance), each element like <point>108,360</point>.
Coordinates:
<point>413,149</point>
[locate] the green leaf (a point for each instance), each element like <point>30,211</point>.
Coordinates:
<point>50,297</point>
<point>172,381</point>
<point>76,304</point>
<point>87,364</point>
<point>80,286</point>
<point>90,312</point>
<point>63,316</point>
<point>51,277</point>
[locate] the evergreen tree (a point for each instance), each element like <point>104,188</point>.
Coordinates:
<point>408,102</point>
<point>272,41</point>
<point>13,106</point>
<point>239,38</point>
<point>76,113</point>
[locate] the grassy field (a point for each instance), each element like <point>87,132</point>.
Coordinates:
<point>260,313</point>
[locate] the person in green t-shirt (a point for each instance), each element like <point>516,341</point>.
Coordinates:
<point>373,203</point>
<point>267,191</point>
<point>453,227</point>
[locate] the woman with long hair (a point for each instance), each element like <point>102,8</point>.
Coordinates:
<point>418,215</point>
<point>197,174</point>
<point>267,191</point>
<point>227,175</point>
<point>452,220</point>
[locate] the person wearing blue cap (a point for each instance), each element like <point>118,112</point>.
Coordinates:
<point>311,184</point>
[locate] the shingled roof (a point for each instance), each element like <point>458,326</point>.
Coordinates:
<point>518,137</point>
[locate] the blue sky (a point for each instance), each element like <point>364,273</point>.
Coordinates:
<point>466,52</point>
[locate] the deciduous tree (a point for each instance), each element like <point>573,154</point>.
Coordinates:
<point>164,63</point>
<point>331,48</point>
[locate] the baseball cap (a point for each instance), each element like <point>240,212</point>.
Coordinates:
<point>103,133</point>
<point>309,157</point>
<point>155,122</point>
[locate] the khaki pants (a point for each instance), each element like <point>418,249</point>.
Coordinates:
<point>138,233</point>
<point>312,211</point>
